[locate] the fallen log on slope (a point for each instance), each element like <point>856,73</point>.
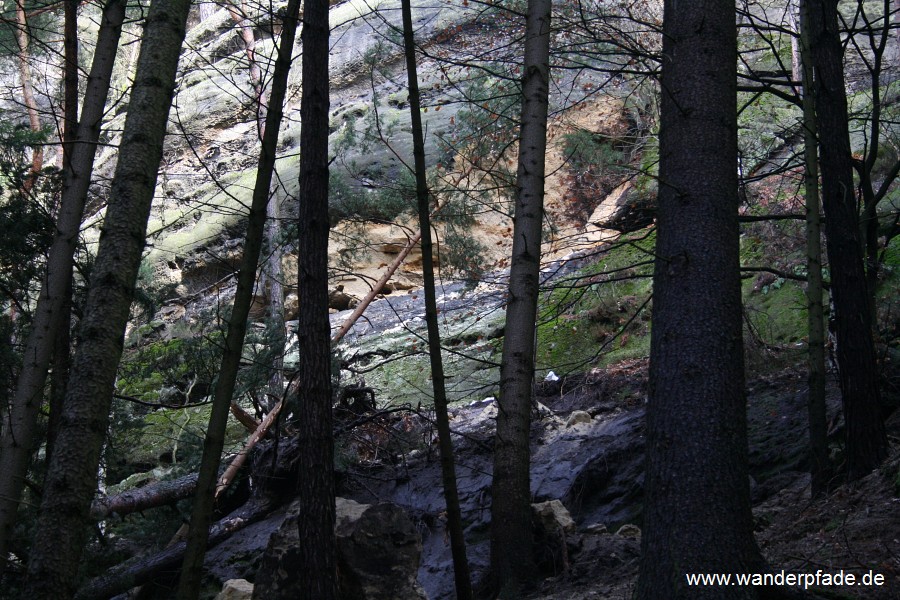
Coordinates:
<point>244,418</point>
<point>155,495</point>
<point>141,570</point>
<point>163,493</point>
<point>228,476</point>
<point>275,471</point>
<point>385,277</point>
<point>376,289</point>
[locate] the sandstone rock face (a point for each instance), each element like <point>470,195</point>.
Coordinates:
<point>626,208</point>
<point>291,307</point>
<point>378,552</point>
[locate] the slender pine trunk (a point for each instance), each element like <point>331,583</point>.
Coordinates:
<point>17,442</point>
<point>31,107</point>
<point>315,559</point>
<point>866,438</point>
<point>274,273</point>
<point>201,514</point>
<point>819,463</point>
<point>462,578</point>
<point>512,562</point>
<point>71,479</point>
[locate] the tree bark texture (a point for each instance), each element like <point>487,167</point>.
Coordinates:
<point>462,577</point>
<point>309,573</point>
<point>512,563</point>
<point>697,498</point>
<point>18,443</point>
<point>201,514</point>
<point>60,367</point>
<point>819,462</point>
<point>72,476</point>
<point>866,437</point>
<point>879,38</point>
<point>70,78</point>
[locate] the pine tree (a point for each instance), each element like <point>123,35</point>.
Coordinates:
<point>511,539</point>
<point>72,476</point>
<point>697,496</point>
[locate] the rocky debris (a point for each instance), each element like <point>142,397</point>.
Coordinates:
<point>630,531</point>
<point>236,589</point>
<point>379,549</point>
<point>552,515</point>
<point>340,300</point>
<point>587,481</point>
<point>552,526</point>
<point>578,417</point>
<point>291,307</point>
<point>626,208</point>
<point>378,553</point>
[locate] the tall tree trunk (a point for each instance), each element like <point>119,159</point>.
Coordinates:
<point>62,342</point>
<point>272,276</point>
<point>462,578</point>
<point>819,463</point>
<point>34,121</point>
<point>60,368</point>
<point>71,479</point>
<point>18,442</point>
<point>309,573</point>
<point>201,514</point>
<point>274,273</point>
<point>866,437</point>
<point>315,523</point>
<point>70,78</point>
<point>511,540</point>
<point>697,498</point>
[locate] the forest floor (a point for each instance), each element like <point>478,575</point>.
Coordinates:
<point>854,529</point>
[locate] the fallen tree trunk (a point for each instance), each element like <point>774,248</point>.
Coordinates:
<point>376,289</point>
<point>151,496</point>
<point>244,418</point>
<point>164,493</point>
<point>276,473</point>
<point>228,476</point>
<point>142,570</point>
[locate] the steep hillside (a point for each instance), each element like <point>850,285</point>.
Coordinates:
<point>594,322</point>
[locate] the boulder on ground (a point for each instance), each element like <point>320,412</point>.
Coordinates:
<point>236,589</point>
<point>339,300</point>
<point>378,550</point>
<point>552,523</point>
<point>578,417</point>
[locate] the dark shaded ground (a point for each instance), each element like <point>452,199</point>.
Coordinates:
<point>596,469</point>
<point>856,528</point>
<point>588,452</point>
